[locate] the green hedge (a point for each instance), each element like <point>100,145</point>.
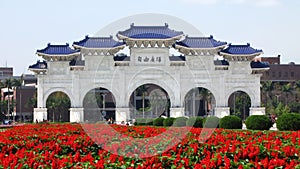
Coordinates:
<point>180,121</point>
<point>195,122</point>
<point>158,121</point>
<point>168,121</point>
<point>258,122</point>
<point>211,122</point>
<point>140,122</point>
<point>288,121</point>
<point>231,122</point>
<point>149,121</point>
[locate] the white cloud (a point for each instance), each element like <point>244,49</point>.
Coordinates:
<point>240,2</point>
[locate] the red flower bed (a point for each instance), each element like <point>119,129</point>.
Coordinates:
<point>102,146</point>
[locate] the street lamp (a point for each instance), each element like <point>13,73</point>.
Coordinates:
<point>277,97</point>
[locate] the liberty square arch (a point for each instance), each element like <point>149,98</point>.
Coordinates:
<point>96,62</point>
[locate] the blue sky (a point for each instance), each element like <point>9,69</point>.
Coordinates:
<point>270,25</point>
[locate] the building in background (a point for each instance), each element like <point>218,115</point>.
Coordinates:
<point>6,72</point>
<point>278,72</point>
<point>280,85</point>
<point>21,96</point>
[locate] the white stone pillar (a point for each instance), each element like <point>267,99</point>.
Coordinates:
<point>176,112</point>
<point>39,114</point>
<point>76,115</point>
<point>257,111</point>
<point>222,111</point>
<point>122,114</point>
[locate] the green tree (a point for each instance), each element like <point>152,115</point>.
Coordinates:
<point>17,83</point>
<point>281,109</point>
<point>268,87</point>
<point>8,83</point>
<point>241,104</point>
<point>142,91</point>
<point>286,88</point>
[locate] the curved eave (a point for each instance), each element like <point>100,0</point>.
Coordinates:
<point>177,61</point>
<point>240,55</point>
<point>214,48</point>
<point>261,69</point>
<point>85,48</point>
<point>37,69</point>
<point>48,55</point>
<point>122,37</point>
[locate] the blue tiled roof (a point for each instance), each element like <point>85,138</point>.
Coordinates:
<point>150,32</point>
<point>98,42</point>
<point>58,50</point>
<point>259,64</point>
<point>39,65</point>
<point>200,42</point>
<point>240,50</point>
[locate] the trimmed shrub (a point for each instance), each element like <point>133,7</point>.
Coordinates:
<point>288,121</point>
<point>231,122</point>
<point>180,121</point>
<point>149,121</point>
<point>211,122</point>
<point>168,121</point>
<point>195,122</point>
<point>140,122</point>
<point>258,122</point>
<point>158,121</point>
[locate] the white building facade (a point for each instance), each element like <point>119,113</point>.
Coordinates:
<point>93,63</point>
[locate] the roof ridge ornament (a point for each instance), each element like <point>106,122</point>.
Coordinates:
<point>166,24</point>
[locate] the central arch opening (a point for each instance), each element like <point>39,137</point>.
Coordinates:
<point>99,105</point>
<point>58,107</point>
<point>239,103</point>
<point>199,101</point>
<point>149,101</point>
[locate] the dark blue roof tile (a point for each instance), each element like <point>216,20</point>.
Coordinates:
<point>259,65</point>
<point>121,57</point>
<point>98,42</point>
<point>241,50</point>
<point>200,42</point>
<point>57,50</point>
<point>39,65</point>
<point>149,32</point>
